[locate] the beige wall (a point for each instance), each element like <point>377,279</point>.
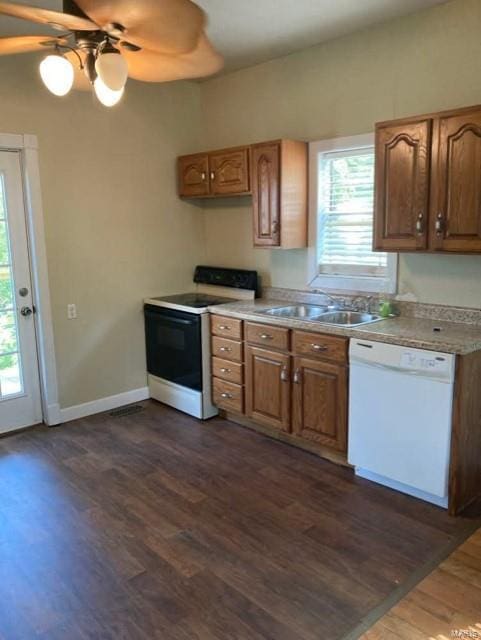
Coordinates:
<point>424,62</point>
<point>115,229</point>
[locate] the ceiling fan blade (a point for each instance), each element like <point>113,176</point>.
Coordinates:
<point>25,44</point>
<point>151,66</point>
<point>44,16</point>
<point>167,26</point>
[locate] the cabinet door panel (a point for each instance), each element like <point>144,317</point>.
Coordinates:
<point>268,387</point>
<point>403,154</point>
<point>320,403</point>
<point>456,220</point>
<point>265,194</point>
<point>229,171</point>
<point>193,175</point>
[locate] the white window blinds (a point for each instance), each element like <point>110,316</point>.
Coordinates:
<point>346,192</point>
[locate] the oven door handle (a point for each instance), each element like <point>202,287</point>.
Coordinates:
<point>161,316</point>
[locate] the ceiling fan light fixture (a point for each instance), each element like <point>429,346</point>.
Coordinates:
<point>112,68</point>
<point>57,74</point>
<point>105,95</point>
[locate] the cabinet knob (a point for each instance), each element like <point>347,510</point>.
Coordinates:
<point>275,226</point>
<point>297,376</point>
<point>420,224</point>
<point>226,396</point>
<point>212,175</point>
<point>439,226</point>
<point>203,176</point>
<point>284,374</point>
<point>265,336</point>
<point>318,347</point>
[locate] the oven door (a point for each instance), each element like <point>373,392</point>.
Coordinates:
<point>174,346</point>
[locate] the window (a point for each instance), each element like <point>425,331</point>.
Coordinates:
<point>342,200</point>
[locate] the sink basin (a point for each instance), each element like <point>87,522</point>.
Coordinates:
<point>302,311</point>
<point>348,318</point>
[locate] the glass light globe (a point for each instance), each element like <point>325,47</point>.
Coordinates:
<point>112,69</point>
<point>106,96</point>
<point>57,74</point>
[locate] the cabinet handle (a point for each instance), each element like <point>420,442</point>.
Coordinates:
<point>439,224</point>
<point>224,327</point>
<point>212,175</point>
<point>275,226</point>
<point>224,370</point>
<point>318,347</point>
<point>265,336</point>
<point>297,376</point>
<point>420,224</point>
<point>225,349</point>
<point>284,374</point>
<point>203,176</point>
<point>227,396</point>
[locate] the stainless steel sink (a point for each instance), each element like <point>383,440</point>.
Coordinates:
<point>302,311</point>
<point>348,318</point>
<point>322,315</point>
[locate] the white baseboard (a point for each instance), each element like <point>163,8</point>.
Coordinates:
<point>103,404</point>
<point>52,415</point>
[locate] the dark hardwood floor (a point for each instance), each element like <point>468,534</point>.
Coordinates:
<point>158,526</point>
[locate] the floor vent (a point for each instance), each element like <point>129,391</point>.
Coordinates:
<point>129,410</point>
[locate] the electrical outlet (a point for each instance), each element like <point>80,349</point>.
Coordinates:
<point>71,311</point>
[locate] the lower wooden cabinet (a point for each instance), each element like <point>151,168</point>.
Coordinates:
<point>267,390</point>
<point>288,381</point>
<point>319,402</point>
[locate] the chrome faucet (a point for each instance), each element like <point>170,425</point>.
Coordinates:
<point>337,303</point>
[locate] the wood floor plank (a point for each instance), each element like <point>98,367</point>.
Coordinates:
<point>159,526</point>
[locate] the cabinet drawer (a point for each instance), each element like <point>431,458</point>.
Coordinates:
<point>267,335</point>
<point>226,327</point>
<point>227,395</point>
<point>230,371</point>
<point>227,349</point>
<point>319,345</point>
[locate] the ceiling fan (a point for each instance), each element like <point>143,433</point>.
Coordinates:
<point>103,42</point>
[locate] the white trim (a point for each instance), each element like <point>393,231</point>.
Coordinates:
<point>28,147</point>
<point>339,282</point>
<point>103,404</point>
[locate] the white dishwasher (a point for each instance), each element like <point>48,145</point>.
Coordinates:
<point>400,411</point>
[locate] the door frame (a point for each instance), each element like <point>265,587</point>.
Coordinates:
<point>27,146</point>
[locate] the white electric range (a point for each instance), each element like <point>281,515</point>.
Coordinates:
<point>177,335</point>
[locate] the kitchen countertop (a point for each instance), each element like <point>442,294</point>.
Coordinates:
<point>453,337</point>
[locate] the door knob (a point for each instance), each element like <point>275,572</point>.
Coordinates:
<point>26,311</point>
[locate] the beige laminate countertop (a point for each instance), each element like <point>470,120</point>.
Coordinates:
<point>452,337</point>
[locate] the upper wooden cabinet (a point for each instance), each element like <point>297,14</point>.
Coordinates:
<point>194,175</point>
<point>276,175</point>
<point>218,173</point>
<point>279,194</point>
<point>456,220</point>
<point>403,154</point>
<point>229,171</point>
<point>428,183</point>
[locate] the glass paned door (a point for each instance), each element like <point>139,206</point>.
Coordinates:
<point>19,379</point>
<point>11,383</point>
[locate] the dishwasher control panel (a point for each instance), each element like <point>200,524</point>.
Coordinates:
<point>416,360</point>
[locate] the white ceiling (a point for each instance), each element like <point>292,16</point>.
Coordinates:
<point>247,32</point>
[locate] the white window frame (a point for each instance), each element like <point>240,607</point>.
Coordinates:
<point>355,283</point>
